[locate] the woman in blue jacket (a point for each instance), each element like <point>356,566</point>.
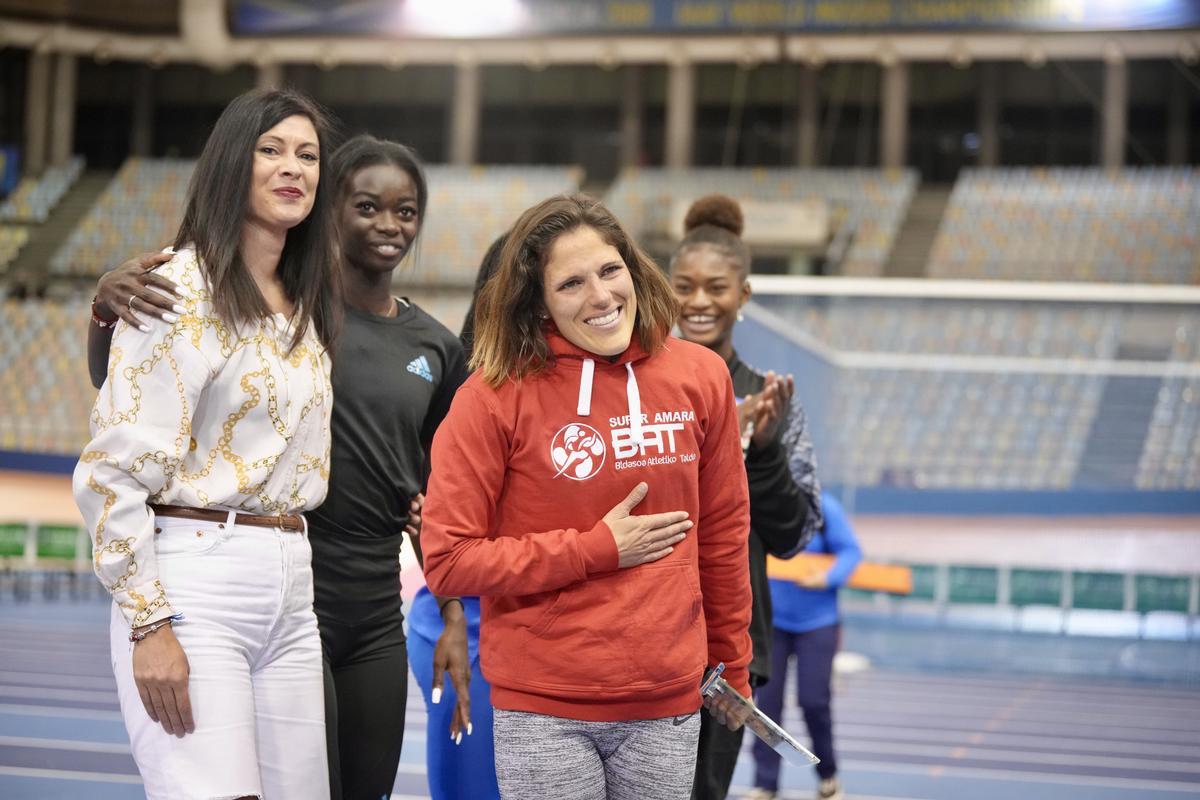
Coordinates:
<point>808,629</point>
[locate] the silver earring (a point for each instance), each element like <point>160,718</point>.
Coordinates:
<point>739,315</point>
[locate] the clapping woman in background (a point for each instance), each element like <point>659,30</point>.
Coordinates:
<point>709,273</point>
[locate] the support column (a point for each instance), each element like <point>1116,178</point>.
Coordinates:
<point>893,123</point>
<point>1178,123</point>
<point>464,115</point>
<point>141,141</point>
<point>37,111</point>
<point>631,117</point>
<point>1114,114</point>
<point>807,114</point>
<point>269,76</point>
<point>62,119</point>
<point>989,114</point>
<point>681,114</point>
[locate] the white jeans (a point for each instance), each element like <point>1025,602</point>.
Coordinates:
<point>254,655</point>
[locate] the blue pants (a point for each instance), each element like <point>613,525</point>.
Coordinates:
<point>813,653</point>
<point>456,772</point>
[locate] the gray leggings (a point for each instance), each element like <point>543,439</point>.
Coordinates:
<point>539,757</point>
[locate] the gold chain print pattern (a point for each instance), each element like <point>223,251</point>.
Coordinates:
<point>198,414</point>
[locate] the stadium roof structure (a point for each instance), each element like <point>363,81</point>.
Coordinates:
<point>223,33</point>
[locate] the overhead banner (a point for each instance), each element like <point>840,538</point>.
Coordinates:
<point>519,18</point>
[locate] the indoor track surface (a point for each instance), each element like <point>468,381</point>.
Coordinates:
<point>905,729</point>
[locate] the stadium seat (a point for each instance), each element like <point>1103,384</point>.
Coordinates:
<point>1072,224</point>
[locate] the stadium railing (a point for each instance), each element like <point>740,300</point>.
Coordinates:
<point>1048,600</point>
<point>45,560</point>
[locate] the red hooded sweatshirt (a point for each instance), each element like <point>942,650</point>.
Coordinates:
<point>522,477</point>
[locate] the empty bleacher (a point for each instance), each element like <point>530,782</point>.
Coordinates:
<point>1171,454</point>
<point>905,414</point>
<point>935,429</point>
<point>45,394</point>
<point>12,239</point>
<point>468,208</point>
<point>870,203</point>
<point>915,402</point>
<point>35,198</point>
<point>1072,224</point>
<point>139,211</point>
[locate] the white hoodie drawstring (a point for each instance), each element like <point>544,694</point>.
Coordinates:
<point>632,395</point>
<point>585,388</point>
<point>635,405</point>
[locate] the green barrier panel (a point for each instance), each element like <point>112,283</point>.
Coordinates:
<point>1035,587</point>
<point>974,584</point>
<point>856,594</point>
<point>924,582</point>
<point>1098,590</point>
<point>1162,593</point>
<point>12,540</point>
<point>57,541</point>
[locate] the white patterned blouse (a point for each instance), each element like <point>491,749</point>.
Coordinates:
<point>198,414</point>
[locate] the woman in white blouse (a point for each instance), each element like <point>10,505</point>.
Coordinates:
<point>210,436</point>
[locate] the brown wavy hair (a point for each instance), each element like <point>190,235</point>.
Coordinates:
<point>510,313</point>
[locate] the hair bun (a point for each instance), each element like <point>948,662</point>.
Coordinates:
<point>717,210</point>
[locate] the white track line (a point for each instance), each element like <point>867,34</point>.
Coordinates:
<point>48,693</point>
<point>57,711</point>
<point>976,753</point>
<point>64,744</point>
<point>1004,775</point>
<point>70,775</point>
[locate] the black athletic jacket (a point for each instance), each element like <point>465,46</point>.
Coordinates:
<point>785,507</point>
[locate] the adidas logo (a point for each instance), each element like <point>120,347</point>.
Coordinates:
<point>420,366</point>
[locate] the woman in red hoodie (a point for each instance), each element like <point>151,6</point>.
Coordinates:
<point>598,622</point>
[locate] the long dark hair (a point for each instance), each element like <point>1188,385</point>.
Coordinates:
<point>218,203</point>
<point>509,342</point>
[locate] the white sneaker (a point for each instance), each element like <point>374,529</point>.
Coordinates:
<point>830,789</point>
<point>759,793</point>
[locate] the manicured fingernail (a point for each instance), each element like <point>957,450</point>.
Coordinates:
<point>178,309</point>
<point>452,736</point>
<point>170,319</point>
<point>437,695</point>
<point>144,328</point>
<point>458,739</point>
<point>470,728</point>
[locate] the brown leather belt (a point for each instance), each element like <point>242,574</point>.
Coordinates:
<point>288,522</point>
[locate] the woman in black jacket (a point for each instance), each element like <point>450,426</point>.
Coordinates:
<point>709,273</point>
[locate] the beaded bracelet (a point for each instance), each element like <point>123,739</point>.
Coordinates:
<point>101,322</point>
<point>137,636</point>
